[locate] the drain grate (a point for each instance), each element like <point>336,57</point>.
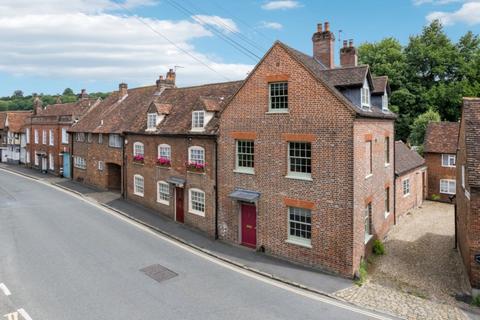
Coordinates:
<point>158,272</point>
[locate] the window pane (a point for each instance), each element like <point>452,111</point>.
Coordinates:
<point>278,96</point>
<point>300,157</point>
<point>300,223</point>
<point>245,154</point>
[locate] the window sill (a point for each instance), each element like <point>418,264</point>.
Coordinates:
<point>299,243</point>
<point>368,238</point>
<point>244,171</point>
<point>167,203</point>
<point>387,214</point>
<point>163,167</point>
<point>197,213</point>
<point>448,166</point>
<point>138,194</point>
<point>294,177</point>
<point>369,176</point>
<point>197,130</point>
<point>387,165</point>
<point>138,163</point>
<point>277,112</point>
<point>448,193</point>
<point>406,195</point>
<point>196,172</point>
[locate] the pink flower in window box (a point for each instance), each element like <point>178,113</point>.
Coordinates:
<point>139,158</point>
<point>196,166</point>
<point>164,162</point>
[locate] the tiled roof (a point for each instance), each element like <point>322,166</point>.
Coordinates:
<point>3,116</point>
<point>380,85</point>
<point>406,159</point>
<point>116,114</point>
<point>471,113</point>
<point>441,137</point>
<point>73,108</point>
<point>16,120</point>
<point>211,97</point>
<point>340,77</point>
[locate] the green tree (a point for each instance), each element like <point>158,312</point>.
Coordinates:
<point>17,94</point>
<point>68,92</point>
<point>419,126</point>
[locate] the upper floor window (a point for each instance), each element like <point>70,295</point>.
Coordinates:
<point>387,150</point>
<point>196,155</point>
<point>78,162</point>
<point>27,135</point>
<point>100,138</point>
<point>64,136</point>
<point>385,102</point>
<point>138,185</point>
<point>449,160</point>
<point>299,225</point>
<point>151,121</point>
<point>300,159</point>
<point>138,151</point>
<point>35,136</point>
<point>89,137</point>
<point>448,186</point>
<point>406,187</point>
<point>44,136</point>
<point>80,137</point>
<point>198,119</point>
<point>51,137</point>
<point>245,156</point>
<point>365,96</point>
<point>164,152</point>
<point>369,157</point>
<point>463,177</point>
<point>278,96</point>
<point>197,202</point>
<point>115,141</point>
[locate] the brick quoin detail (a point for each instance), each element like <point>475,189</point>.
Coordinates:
<point>289,202</point>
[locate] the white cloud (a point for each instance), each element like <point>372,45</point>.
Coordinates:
<point>469,13</point>
<point>281,5</point>
<point>224,24</point>
<point>271,25</point>
<point>434,2</point>
<point>86,40</point>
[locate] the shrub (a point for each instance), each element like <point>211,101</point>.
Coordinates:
<point>362,273</point>
<point>378,248</point>
<point>435,197</point>
<point>476,301</point>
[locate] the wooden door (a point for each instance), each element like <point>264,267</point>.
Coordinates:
<point>249,225</point>
<point>179,213</point>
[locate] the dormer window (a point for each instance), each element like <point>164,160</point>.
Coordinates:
<point>198,120</point>
<point>385,102</point>
<point>365,93</point>
<point>151,121</point>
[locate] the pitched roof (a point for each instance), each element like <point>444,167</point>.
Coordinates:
<point>3,116</point>
<point>16,120</point>
<point>182,101</point>
<point>380,85</point>
<point>338,78</point>
<point>406,159</point>
<point>441,137</point>
<point>471,114</point>
<point>116,114</point>
<point>72,108</point>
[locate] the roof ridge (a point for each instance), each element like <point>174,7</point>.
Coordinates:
<point>206,85</point>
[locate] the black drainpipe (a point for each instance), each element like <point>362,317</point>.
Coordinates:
<point>394,185</point>
<point>216,188</point>
<point>124,170</point>
<point>71,156</point>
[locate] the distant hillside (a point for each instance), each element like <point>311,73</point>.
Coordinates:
<point>20,102</point>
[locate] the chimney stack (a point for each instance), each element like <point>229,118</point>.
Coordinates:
<point>123,89</point>
<point>168,81</point>
<point>323,42</point>
<point>37,105</point>
<point>58,100</point>
<point>83,94</point>
<point>348,54</point>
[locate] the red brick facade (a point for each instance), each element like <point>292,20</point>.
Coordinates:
<point>437,172</point>
<point>418,187</point>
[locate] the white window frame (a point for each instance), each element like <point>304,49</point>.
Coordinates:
<point>295,174</point>
<point>79,162</point>
<point>51,137</point>
<point>27,134</point>
<point>449,183</point>
<point>238,167</point>
<point>388,202</point>
<point>114,140</point>
<point>163,196</point>
<point>365,96</point>
<point>100,138</point>
<point>164,151</point>
<point>138,185</point>
<point>198,120</point>
<point>369,159</point>
<point>191,205</point>
<point>44,137</point>
<point>406,187</point>
<point>101,165</point>
<point>89,137</point>
<point>303,241</point>
<point>196,148</point>
<point>64,136</point>
<point>35,158</point>
<point>367,221</point>
<point>463,176</point>
<point>51,162</point>
<point>152,121</point>
<point>385,102</point>
<point>448,159</point>
<point>138,149</point>
<point>270,97</point>
<point>35,134</point>
<point>28,157</point>
<point>387,152</point>
<point>80,137</point>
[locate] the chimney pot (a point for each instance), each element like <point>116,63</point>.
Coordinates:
<point>323,43</point>
<point>348,54</point>
<point>345,43</point>
<point>327,26</point>
<point>123,89</point>
<point>319,27</point>
<point>350,43</point>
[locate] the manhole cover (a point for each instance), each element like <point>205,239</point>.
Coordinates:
<point>158,272</point>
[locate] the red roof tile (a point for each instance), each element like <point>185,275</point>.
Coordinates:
<point>16,120</point>
<point>441,137</point>
<point>406,159</point>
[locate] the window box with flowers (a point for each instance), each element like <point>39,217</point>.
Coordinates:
<point>198,167</point>
<point>164,162</point>
<point>139,159</point>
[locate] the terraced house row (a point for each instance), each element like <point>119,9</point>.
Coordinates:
<point>296,161</point>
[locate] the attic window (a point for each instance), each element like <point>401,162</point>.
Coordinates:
<point>198,119</point>
<point>365,93</point>
<point>151,121</point>
<point>385,102</point>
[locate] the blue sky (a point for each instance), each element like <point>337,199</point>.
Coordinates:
<point>96,44</point>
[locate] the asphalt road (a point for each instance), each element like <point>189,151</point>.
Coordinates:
<point>63,258</point>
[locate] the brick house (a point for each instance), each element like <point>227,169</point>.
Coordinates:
<point>98,146</point>
<point>47,139</point>
<point>410,179</point>
<point>305,158</point>
<point>170,154</point>
<point>440,149</point>
<point>468,190</point>
<point>13,147</point>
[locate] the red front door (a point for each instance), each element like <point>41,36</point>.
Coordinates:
<point>179,205</point>
<point>249,225</point>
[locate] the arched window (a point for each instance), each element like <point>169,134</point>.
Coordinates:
<point>163,192</point>
<point>196,202</point>
<point>196,155</point>
<point>138,149</point>
<point>164,151</point>
<point>138,185</point>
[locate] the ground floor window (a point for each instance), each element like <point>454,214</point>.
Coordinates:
<point>197,202</point>
<point>387,201</point>
<point>448,186</point>
<point>79,162</point>
<point>368,221</point>
<point>51,162</point>
<point>299,225</point>
<point>28,157</point>
<point>138,185</point>
<point>163,192</point>
<point>406,187</point>
<point>35,156</point>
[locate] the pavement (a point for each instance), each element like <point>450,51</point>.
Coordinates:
<point>68,257</point>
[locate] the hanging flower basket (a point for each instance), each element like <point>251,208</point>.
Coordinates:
<point>196,166</point>
<point>164,162</point>
<point>138,159</point>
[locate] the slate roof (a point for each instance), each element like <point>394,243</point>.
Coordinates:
<point>340,78</point>
<point>471,113</point>
<point>16,120</point>
<point>182,101</point>
<point>77,108</point>
<point>406,159</point>
<point>116,114</point>
<point>441,137</point>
